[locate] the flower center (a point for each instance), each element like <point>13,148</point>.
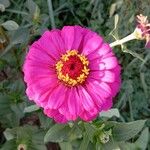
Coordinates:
<point>72,68</point>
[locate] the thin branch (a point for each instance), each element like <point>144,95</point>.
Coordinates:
<point>51,14</point>
<point>124,40</point>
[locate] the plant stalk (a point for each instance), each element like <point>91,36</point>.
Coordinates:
<point>124,40</point>
<point>51,13</point>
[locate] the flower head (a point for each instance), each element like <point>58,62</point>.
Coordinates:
<point>142,30</point>
<point>72,73</point>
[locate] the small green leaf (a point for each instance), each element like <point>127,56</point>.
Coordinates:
<point>125,131</point>
<point>57,133</point>
<point>31,108</point>
<point>10,25</point>
<point>20,36</point>
<point>8,134</point>
<point>110,113</point>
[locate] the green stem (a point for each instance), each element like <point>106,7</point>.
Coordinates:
<point>51,14</point>
<point>124,40</point>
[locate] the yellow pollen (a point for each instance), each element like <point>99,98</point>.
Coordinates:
<point>66,78</point>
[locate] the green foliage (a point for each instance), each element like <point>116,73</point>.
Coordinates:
<point>62,133</point>
<point>125,131</point>
<point>21,122</point>
<point>29,136</point>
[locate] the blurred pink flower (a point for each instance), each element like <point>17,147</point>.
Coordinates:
<point>142,30</point>
<point>72,73</point>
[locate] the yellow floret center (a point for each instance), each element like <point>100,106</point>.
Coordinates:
<point>72,68</point>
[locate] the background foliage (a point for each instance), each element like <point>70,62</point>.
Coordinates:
<point>22,22</point>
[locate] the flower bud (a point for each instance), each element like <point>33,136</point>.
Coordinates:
<point>105,136</point>
<point>142,31</point>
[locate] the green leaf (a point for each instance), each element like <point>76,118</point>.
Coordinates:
<point>4,105</point>
<point>32,6</point>
<point>38,140</point>
<point>90,130</point>
<point>17,109</point>
<point>34,10</point>
<point>57,133</point>
<point>112,145</point>
<point>110,113</point>
<point>9,145</point>
<point>125,131</point>
<point>18,36</point>
<point>65,146</point>
<point>142,141</point>
<point>74,133</point>
<point>6,3</point>
<point>10,25</point>
<point>8,134</point>
<point>31,108</point>
<point>85,142</point>
<point>45,122</point>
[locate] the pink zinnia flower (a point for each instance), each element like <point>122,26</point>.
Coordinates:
<point>72,73</point>
<point>142,30</point>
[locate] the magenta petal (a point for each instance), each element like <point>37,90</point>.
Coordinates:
<point>64,110</point>
<point>40,87</point>
<point>99,96</point>
<point>110,62</point>
<point>36,53</point>
<point>52,113</point>
<point>79,33</point>
<point>101,51</point>
<point>92,44</point>
<point>47,45</point>
<point>104,75</point>
<point>74,103</point>
<point>86,99</point>
<point>89,115</point>
<point>109,76</point>
<point>96,75</point>
<point>59,118</point>
<point>55,36</point>
<point>67,34</point>
<point>102,87</point>
<point>57,97</point>
<point>107,104</point>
